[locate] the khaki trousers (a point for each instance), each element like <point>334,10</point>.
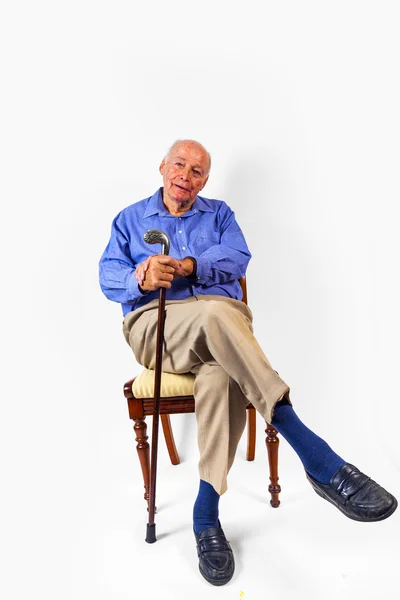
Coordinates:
<point>212,337</point>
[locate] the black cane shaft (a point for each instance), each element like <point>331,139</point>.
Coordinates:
<point>151,537</point>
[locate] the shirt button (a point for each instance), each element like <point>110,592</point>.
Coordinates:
<point>180,231</point>
<point>183,247</point>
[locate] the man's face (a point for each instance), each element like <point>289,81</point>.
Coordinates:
<point>185,172</point>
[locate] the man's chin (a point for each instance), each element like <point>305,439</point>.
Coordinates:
<point>182,198</point>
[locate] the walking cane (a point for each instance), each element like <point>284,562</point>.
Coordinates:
<point>155,236</point>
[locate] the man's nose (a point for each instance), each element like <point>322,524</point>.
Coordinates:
<point>185,173</point>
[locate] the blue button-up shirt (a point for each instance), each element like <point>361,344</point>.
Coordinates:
<point>208,232</point>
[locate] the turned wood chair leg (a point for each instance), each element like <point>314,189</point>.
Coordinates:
<point>251,433</point>
<point>143,450</point>
<point>169,439</point>
<point>272,443</point>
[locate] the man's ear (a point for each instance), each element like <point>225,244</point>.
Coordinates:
<point>161,167</point>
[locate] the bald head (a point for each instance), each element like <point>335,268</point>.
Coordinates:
<point>195,145</point>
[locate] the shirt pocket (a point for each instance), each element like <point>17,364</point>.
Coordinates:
<point>203,239</point>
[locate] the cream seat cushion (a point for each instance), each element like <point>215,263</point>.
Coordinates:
<point>171,384</point>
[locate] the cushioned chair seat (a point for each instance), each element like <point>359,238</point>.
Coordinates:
<point>171,384</point>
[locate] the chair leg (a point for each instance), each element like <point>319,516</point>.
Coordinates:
<point>272,443</point>
<point>143,450</point>
<point>251,433</point>
<point>169,439</point>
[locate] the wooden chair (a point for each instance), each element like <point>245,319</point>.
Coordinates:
<point>177,397</point>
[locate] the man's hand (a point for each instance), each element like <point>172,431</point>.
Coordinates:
<point>185,268</point>
<point>156,271</point>
<point>159,270</point>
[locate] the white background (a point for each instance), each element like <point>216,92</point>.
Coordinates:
<point>298,103</point>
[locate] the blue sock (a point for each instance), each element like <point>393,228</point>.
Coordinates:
<point>317,457</point>
<point>205,510</point>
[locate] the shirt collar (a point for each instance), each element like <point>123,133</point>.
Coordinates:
<point>156,206</point>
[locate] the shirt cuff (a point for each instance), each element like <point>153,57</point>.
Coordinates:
<point>193,274</point>
<point>203,270</point>
<point>133,288</point>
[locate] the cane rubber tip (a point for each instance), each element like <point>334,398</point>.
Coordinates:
<point>151,533</point>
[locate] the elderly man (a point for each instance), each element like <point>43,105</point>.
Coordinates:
<point>208,332</point>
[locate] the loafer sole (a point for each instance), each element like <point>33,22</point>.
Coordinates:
<point>218,581</point>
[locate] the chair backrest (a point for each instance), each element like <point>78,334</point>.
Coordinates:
<point>243,285</point>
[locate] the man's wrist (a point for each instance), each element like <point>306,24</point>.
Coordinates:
<point>193,274</point>
<point>142,291</point>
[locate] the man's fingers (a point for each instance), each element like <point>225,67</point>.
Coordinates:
<point>165,277</point>
<point>142,269</point>
<point>164,280</point>
<point>167,260</point>
<point>167,269</point>
<point>146,263</point>
<point>139,274</point>
<point>144,266</point>
<point>165,284</point>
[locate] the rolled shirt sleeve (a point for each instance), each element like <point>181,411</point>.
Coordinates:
<point>228,259</point>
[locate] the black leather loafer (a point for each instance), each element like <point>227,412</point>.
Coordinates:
<point>216,562</point>
<point>356,495</point>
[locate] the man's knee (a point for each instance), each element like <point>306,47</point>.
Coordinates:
<point>216,312</point>
<point>211,309</point>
